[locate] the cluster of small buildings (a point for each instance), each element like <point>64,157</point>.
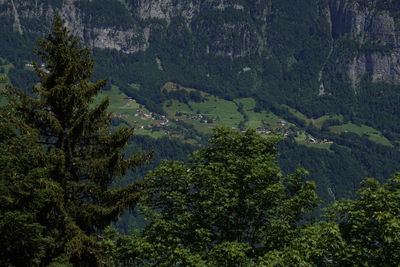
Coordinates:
<point>119,116</point>
<point>144,116</point>
<point>313,140</point>
<point>158,121</point>
<point>282,123</point>
<point>280,129</point>
<point>264,130</point>
<point>161,121</point>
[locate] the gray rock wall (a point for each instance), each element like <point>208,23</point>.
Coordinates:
<point>367,26</point>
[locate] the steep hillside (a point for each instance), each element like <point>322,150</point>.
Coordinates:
<point>311,55</point>
<point>328,67</point>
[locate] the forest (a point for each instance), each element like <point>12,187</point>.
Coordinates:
<point>63,185</point>
<point>274,58</point>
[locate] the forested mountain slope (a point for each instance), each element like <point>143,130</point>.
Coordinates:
<point>311,57</point>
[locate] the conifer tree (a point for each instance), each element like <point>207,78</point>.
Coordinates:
<point>86,155</point>
<point>27,196</point>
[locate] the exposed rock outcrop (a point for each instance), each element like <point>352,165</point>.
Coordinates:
<point>128,40</point>
<point>17,24</point>
<point>367,26</point>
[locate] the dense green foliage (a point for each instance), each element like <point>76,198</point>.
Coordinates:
<point>272,50</point>
<point>22,79</point>
<point>370,224</point>
<point>231,206</point>
<point>56,199</point>
<point>28,197</point>
<point>283,44</point>
<point>359,232</point>
<point>293,46</point>
<point>343,167</point>
<point>74,160</point>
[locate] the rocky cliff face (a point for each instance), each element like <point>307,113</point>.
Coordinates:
<point>127,40</point>
<point>136,37</point>
<point>168,9</point>
<point>25,12</point>
<point>372,28</point>
<point>220,43</point>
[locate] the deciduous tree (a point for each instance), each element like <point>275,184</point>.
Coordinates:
<point>370,224</point>
<point>229,206</point>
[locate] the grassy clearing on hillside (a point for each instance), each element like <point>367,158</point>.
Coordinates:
<point>126,108</point>
<point>272,119</point>
<point>321,120</point>
<point>373,135</point>
<point>302,140</point>
<point>118,101</point>
<point>316,122</point>
<point>225,112</point>
<point>248,103</point>
<point>170,86</point>
<point>257,119</point>
<point>174,107</point>
<point>298,114</point>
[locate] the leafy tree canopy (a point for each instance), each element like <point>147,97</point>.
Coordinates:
<point>370,224</point>
<point>227,207</point>
<point>360,232</point>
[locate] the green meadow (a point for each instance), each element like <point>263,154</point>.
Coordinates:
<point>373,135</point>
<point>216,111</point>
<point>118,101</point>
<point>257,119</point>
<point>318,122</point>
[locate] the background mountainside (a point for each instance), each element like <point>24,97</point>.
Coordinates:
<point>301,60</point>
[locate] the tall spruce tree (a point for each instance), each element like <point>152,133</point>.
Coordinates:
<point>86,155</point>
